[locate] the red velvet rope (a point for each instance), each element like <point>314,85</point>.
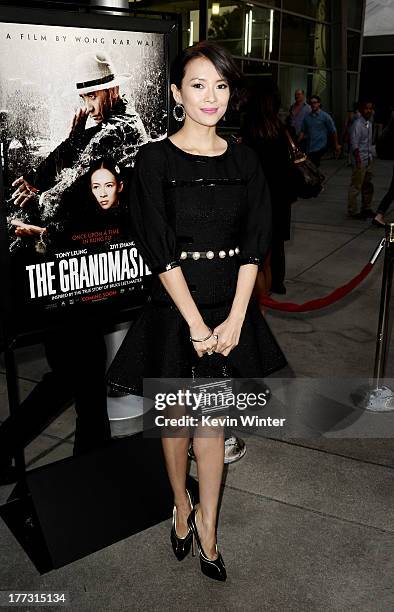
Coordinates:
<point>331,298</point>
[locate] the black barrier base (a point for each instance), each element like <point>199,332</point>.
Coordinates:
<point>79,505</point>
<point>21,518</point>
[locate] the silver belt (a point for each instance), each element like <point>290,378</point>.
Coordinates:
<point>208,254</point>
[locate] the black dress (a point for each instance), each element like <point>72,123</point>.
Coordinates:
<point>274,158</point>
<point>183,203</point>
<point>273,154</point>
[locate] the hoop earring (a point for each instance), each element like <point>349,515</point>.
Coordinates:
<point>174,112</point>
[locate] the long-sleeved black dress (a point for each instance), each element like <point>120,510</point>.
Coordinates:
<point>273,154</point>
<point>183,204</point>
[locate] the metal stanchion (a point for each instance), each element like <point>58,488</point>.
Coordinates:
<point>385,318</point>
<point>379,397</point>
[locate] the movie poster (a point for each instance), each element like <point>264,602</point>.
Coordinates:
<point>75,106</point>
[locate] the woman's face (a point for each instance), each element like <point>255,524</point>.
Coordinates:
<point>105,188</point>
<point>204,93</point>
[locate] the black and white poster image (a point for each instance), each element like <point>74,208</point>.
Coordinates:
<point>76,105</point>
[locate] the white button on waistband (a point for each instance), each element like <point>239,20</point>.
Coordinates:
<point>231,252</point>
<point>222,254</point>
<point>183,255</point>
<point>237,250</point>
<point>196,255</point>
<point>210,254</point>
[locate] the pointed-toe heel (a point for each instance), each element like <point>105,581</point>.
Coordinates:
<point>213,568</point>
<point>181,546</point>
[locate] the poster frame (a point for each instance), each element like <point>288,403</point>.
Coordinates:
<point>74,15</point>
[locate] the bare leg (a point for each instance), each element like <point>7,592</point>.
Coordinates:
<point>175,453</point>
<point>209,453</point>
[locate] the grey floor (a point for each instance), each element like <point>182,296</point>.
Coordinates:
<point>305,524</point>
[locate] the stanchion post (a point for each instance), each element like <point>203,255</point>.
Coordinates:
<point>376,396</point>
<point>385,317</point>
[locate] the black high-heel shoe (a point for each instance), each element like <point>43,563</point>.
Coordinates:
<point>181,546</point>
<point>213,568</point>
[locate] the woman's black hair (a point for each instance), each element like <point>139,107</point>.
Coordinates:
<point>220,58</point>
<point>262,111</point>
<point>108,164</point>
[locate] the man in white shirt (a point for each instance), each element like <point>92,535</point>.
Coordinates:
<point>362,159</point>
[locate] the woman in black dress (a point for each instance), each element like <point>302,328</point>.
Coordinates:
<point>201,214</point>
<point>266,134</point>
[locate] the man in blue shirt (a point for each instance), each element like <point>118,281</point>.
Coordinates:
<point>361,157</point>
<point>316,129</point>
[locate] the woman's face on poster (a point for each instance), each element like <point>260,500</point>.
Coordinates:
<point>105,188</point>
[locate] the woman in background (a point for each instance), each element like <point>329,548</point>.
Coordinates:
<point>264,132</point>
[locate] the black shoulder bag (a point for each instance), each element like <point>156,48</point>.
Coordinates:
<point>308,179</point>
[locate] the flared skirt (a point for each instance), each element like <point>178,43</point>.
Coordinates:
<point>158,345</point>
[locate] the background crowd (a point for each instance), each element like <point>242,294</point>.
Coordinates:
<point>314,132</point>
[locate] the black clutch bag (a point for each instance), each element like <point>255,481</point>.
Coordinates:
<point>308,179</point>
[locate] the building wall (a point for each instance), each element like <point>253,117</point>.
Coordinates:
<point>310,44</point>
<point>377,64</point>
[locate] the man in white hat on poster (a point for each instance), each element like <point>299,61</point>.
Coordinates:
<point>116,134</point>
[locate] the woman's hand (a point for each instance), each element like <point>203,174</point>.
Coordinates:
<point>228,334</point>
<point>229,331</point>
<point>202,331</point>
<point>23,193</point>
